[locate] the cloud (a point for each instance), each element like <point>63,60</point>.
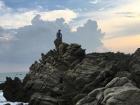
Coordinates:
<point>6,36</point>
<point>94,1</point>
<point>49,4</point>
<point>32,40</point>
<point>16,12</point>
<point>18,18</point>
<point>128,30</point>
<point>4,8</point>
<point>91,34</point>
<point>126,14</point>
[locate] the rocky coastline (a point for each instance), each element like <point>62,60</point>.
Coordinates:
<point>69,76</point>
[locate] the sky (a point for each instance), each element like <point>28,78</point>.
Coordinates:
<point>28,28</point>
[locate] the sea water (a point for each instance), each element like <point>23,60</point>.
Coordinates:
<point>3,76</point>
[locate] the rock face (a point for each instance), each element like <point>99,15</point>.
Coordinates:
<point>68,76</point>
<point>49,79</point>
<point>13,90</point>
<point>1,86</point>
<point>120,91</point>
<point>135,67</point>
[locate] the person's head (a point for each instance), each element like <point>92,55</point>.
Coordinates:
<point>59,30</point>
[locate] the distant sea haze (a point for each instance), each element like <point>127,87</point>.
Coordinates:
<point>3,76</point>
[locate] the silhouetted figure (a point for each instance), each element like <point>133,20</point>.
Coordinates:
<point>59,35</point>
<point>58,40</point>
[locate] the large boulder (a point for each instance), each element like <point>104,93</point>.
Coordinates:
<point>120,91</point>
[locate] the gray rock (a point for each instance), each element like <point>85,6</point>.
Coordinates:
<point>134,66</point>
<point>68,76</point>
<point>40,99</point>
<point>120,91</point>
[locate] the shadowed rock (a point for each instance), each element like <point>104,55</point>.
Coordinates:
<point>13,90</point>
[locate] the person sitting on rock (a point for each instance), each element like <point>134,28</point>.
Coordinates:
<point>58,40</point>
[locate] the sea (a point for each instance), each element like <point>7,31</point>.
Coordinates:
<point>3,76</point>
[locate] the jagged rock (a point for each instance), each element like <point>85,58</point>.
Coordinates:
<point>92,97</point>
<point>1,86</point>
<point>13,90</point>
<point>79,74</point>
<point>78,97</point>
<point>63,48</point>
<point>135,67</point>
<point>120,91</point>
<point>122,96</point>
<point>123,74</point>
<point>49,75</point>
<point>68,76</point>
<point>123,92</point>
<point>40,99</point>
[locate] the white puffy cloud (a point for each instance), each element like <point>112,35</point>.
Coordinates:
<point>10,18</point>
<point>94,1</point>
<point>20,19</point>
<point>32,40</point>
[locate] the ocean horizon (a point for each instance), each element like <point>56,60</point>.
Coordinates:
<point>3,75</point>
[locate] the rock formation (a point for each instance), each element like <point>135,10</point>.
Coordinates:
<point>13,89</point>
<point>68,76</point>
